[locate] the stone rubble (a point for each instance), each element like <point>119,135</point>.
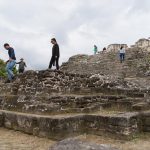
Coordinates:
<point>74,144</point>
<point>49,82</point>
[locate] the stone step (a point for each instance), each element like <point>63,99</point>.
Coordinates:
<point>142,106</point>
<point>48,83</point>
<point>89,109</point>
<point>61,126</point>
<point>67,103</point>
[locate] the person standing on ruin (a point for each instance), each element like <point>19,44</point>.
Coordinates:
<point>22,65</point>
<point>95,49</point>
<point>104,49</point>
<point>122,54</point>
<point>55,54</point>
<point>10,64</point>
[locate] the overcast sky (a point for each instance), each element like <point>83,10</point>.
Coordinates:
<point>28,25</point>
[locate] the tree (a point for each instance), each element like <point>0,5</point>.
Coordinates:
<point>3,72</point>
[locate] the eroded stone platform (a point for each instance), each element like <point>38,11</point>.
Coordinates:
<point>61,126</point>
<point>55,104</point>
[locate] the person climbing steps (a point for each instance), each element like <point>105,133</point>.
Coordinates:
<point>122,54</point>
<point>22,65</point>
<point>10,64</point>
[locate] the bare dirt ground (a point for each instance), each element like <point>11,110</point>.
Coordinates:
<point>140,142</point>
<point>11,140</point>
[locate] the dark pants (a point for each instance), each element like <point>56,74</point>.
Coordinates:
<point>52,62</point>
<point>21,70</point>
<point>122,57</point>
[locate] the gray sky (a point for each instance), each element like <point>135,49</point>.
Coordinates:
<point>28,25</point>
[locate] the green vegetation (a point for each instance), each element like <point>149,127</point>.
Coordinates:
<point>3,71</point>
<point>2,68</point>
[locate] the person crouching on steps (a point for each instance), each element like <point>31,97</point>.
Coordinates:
<point>10,64</point>
<point>22,65</point>
<point>122,54</point>
<point>55,54</point>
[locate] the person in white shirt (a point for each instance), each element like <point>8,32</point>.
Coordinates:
<point>122,54</point>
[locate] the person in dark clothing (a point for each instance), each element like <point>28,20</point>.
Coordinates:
<point>11,62</point>
<point>55,54</point>
<point>104,49</point>
<point>22,65</point>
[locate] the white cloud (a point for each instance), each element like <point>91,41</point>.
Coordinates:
<point>28,26</point>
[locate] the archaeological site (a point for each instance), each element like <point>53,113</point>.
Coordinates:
<point>92,103</point>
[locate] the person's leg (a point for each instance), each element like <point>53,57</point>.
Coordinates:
<point>21,70</point>
<point>52,61</point>
<point>12,65</point>
<point>123,57</point>
<point>9,68</point>
<point>57,63</point>
<point>120,57</point>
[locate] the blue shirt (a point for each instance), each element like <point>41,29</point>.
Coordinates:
<point>11,53</point>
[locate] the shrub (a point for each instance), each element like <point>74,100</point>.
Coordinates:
<point>3,72</point>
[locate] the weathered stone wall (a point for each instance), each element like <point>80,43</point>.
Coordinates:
<point>46,83</point>
<point>59,127</point>
<point>116,47</point>
<point>146,121</point>
<point>143,43</point>
<point>64,104</point>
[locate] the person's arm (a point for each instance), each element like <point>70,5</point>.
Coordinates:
<point>17,62</point>
<point>7,61</point>
<point>57,51</point>
<point>9,53</point>
<point>54,50</point>
<point>25,65</point>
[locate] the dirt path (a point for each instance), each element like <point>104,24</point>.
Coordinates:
<point>11,140</point>
<point>141,142</point>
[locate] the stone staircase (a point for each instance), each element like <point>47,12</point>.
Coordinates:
<point>55,104</point>
<point>136,64</point>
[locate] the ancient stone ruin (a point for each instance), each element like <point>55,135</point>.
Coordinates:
<point>90,95</point>
<point>115,47</point>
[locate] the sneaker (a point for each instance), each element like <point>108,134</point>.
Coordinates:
<point>13,78</point>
